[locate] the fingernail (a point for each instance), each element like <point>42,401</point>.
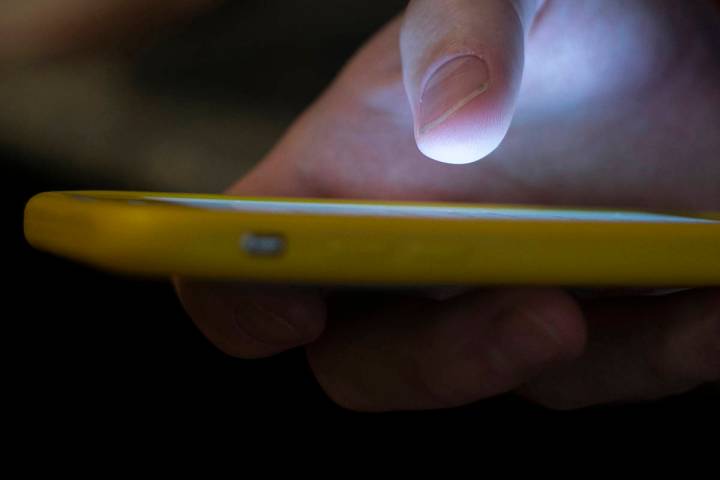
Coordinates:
<point>450,89</point>
<point>280,318</point>
<point>531,339</point>
<point>265,324</point>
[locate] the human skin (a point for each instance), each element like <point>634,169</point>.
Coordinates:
<point>619,106</point>
<point>594,103</point>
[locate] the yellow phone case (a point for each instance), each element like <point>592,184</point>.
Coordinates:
<point>310,241</point>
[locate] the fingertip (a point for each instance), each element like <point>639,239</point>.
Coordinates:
<point>462,68</point>
<point>441,354</point>
<point>642,348</point>
<point>508,337</point>
<point>248,322</point>
<point>465,139</point>
<point>561,318</point>
<point>466,110</point>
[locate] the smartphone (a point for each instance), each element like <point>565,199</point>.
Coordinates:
<point>351,242</point>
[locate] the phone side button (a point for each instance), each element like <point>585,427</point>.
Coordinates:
<point>263,244</point>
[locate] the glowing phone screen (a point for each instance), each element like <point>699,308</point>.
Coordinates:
<point>432,211</point>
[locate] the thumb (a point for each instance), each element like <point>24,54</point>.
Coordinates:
<point>462,68</point>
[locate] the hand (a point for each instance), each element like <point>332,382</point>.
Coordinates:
<point>607,103</point>
<point>618,106</point>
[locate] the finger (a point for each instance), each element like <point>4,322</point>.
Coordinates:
<point>426,354</point>
<point>462,68</point>
<point>250,321</point>
<point>639,349</point>
<point>37,28</point>
<point>253,322</point>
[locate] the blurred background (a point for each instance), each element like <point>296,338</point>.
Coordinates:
<point>192,106</point>
<point>189,108</point>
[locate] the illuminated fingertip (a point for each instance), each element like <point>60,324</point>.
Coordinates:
<point>459,149</point>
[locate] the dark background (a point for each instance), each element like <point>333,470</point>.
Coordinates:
<point>89,348</point>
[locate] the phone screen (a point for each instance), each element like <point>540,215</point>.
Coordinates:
<point>431,211</point>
